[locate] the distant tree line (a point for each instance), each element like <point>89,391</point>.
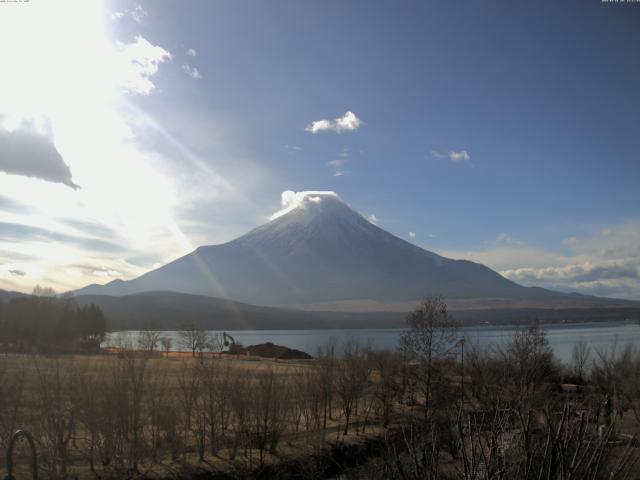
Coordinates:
<point>47,322</point>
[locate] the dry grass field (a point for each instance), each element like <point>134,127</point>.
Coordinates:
<point>133,414</point>
<point>510,412</point>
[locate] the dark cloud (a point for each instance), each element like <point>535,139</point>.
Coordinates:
<point>31,154</point>
<point>18,232</point>
<point>17,273</point>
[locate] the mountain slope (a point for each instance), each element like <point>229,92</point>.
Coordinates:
<point>171,310</point>
<point>321,251</point>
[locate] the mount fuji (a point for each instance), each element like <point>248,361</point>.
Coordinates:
<point>322,251</point>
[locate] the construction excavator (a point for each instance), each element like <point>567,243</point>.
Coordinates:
<point>228,340</point>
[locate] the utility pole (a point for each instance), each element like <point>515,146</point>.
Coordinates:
<point>462,340</point>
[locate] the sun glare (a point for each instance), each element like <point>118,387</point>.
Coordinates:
<point>65,78</point>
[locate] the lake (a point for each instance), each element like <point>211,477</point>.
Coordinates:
<point>562,337</point>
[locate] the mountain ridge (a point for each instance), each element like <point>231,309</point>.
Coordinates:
<point>161,310</point>
<point>321,251</point>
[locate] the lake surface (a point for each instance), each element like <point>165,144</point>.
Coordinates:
<point>562,337</point>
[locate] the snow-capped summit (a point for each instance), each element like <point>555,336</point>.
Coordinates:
<point>318,249</point>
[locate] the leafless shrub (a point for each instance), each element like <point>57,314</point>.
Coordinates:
<point>351,379</point>
<point>54,408</point>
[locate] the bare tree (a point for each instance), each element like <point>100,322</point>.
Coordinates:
<point>429,341</point>
<point>519,374</point>
<point>189,383</point>
<point>86,391</point>
<point>215,342</point>
<point>193,338</point>
<point>148,340</point>
<point>581,354</point>
<point>530,365</point>
<point>54,406</point>
<point>326,368</point>
<point>352,379</point>
<point>166,343</point>
<point>268,411</point>
<point>387,387</point>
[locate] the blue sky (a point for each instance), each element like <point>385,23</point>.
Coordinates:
<point>503,132</point>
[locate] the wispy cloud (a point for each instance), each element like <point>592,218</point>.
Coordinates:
<point>17,273</point>
<point>107,273</point>
<point>193,72</point>
<point>372,218</point>
<point>191,52</point>
<point>18,232</point>
<point>336,163</point>
<point>505,239</point>
<point>412,234</point>
<point>349,122</point>
<point>136,13</point>
<point>453,155</point>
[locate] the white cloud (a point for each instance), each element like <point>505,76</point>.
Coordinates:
<point>437,154</point>
<point>138,62</point>
<point>349,122</point>
<point>338,173</point>
<point>372,218</point>
<point>191,52</point>
<point>193,72</point>
<point>580,273</point>
<point>461,156</point>
<point>336,163</point>
<point>604,261</point>
<point>412,234</point>
<point>290,200</point>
